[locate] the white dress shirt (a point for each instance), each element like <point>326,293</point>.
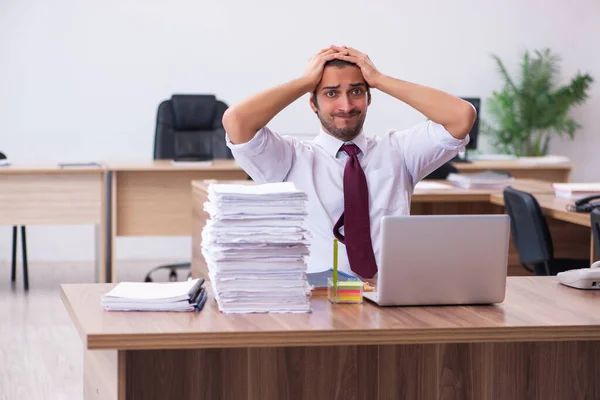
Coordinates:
<point>393,164</point>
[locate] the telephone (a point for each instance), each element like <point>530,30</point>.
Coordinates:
<point>583,278</point>
<point>586,204</point>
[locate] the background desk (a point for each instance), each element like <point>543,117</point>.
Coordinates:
<point>549,173</point>
<point>571,234</point>
<point>154,198</point>
<point>543,342</point>
<point>50,195</point>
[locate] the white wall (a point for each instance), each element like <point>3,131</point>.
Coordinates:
<point>81,80</point>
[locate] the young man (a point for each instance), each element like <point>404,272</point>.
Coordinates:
<point>352,180</point>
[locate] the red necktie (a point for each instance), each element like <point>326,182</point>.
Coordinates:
<point>355,218</point>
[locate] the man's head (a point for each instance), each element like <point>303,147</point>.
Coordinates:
<point>341,98</point>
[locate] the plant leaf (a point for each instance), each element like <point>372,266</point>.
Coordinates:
<point>527,113</point>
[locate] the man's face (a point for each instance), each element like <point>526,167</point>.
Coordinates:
<point>342,101</point>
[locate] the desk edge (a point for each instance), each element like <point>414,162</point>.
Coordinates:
<point>341,338</point>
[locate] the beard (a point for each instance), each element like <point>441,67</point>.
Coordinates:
<point>345,133</point>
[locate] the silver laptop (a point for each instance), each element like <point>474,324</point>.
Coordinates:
<point>442,260</point>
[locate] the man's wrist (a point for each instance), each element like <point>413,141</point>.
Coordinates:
<point>379,81</point>
<point>306,84</point>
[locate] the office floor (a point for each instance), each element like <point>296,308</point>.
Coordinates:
<point>40,349</point>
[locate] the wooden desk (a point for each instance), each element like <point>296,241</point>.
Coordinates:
<point>541,343</point>
<point>154,198</point>
<point>570,232</point>
<point>50,195</point>
<point>550,173</point>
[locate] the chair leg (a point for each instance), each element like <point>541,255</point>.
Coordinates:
<point>25,271</point>
<point>547,268</point>
<point>13,270</point>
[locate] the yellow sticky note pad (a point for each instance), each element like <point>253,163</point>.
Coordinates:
<point>350,291</point>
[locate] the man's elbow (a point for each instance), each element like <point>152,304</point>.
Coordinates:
<point>465,119</point>
<point>239,128</point>
<point>229,119</point>
<point>231,124</point>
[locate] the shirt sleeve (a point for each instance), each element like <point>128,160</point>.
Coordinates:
<point>426,147</point>
<point>267,157</point>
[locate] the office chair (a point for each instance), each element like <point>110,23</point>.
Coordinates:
<point>595,219</point>
<point>15,238</point>
<point>189,126</point>
<point>532,236</point>
<point>442,172</point>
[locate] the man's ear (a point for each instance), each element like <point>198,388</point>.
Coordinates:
<point>368,98</point>
<point>312,102</point>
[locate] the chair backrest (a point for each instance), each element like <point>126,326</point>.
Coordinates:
<point>595,218</point>
<point>191,126</point>
<point>528,226</point>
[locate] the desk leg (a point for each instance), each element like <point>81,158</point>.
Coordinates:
<point>483,371</point>
<point>109,226</point>
<point>99,252</point>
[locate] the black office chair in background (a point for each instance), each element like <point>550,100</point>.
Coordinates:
<point>595,219</point>
<point>532,237</point>
<point>15,239</point>
<point>442,172</point>
<point>189,126</point>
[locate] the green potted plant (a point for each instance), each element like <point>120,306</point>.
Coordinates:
<point>527,112</point>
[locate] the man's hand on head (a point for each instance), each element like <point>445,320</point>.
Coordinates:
<point>314,69</point>
<point>370,73</point>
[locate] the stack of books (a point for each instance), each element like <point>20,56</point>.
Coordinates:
<point>481,180</point>
<point>255,245</point>
<point>149,296</point>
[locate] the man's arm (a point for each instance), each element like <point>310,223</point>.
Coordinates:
<point>244,119</point>
<point>455,114</point>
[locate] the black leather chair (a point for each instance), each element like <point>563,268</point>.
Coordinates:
<point>15,238</point>
<point>189,126</point>
<point>532,237</point>
<point>595,219</point>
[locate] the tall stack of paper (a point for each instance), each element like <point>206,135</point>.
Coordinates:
<point>255,244</point>
<point>481,180</point>
<point>149,296</point>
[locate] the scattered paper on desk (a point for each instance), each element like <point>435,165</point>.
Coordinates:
<point>576,190</point>
<point>491,157</point>
<point>425,185</point>
<point>90,164</point>
<point>481,180</point>
<point>545,160</point>
<point>192,163</point>
<point>255,244</point>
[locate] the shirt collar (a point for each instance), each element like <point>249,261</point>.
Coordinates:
<point>332,145</point>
